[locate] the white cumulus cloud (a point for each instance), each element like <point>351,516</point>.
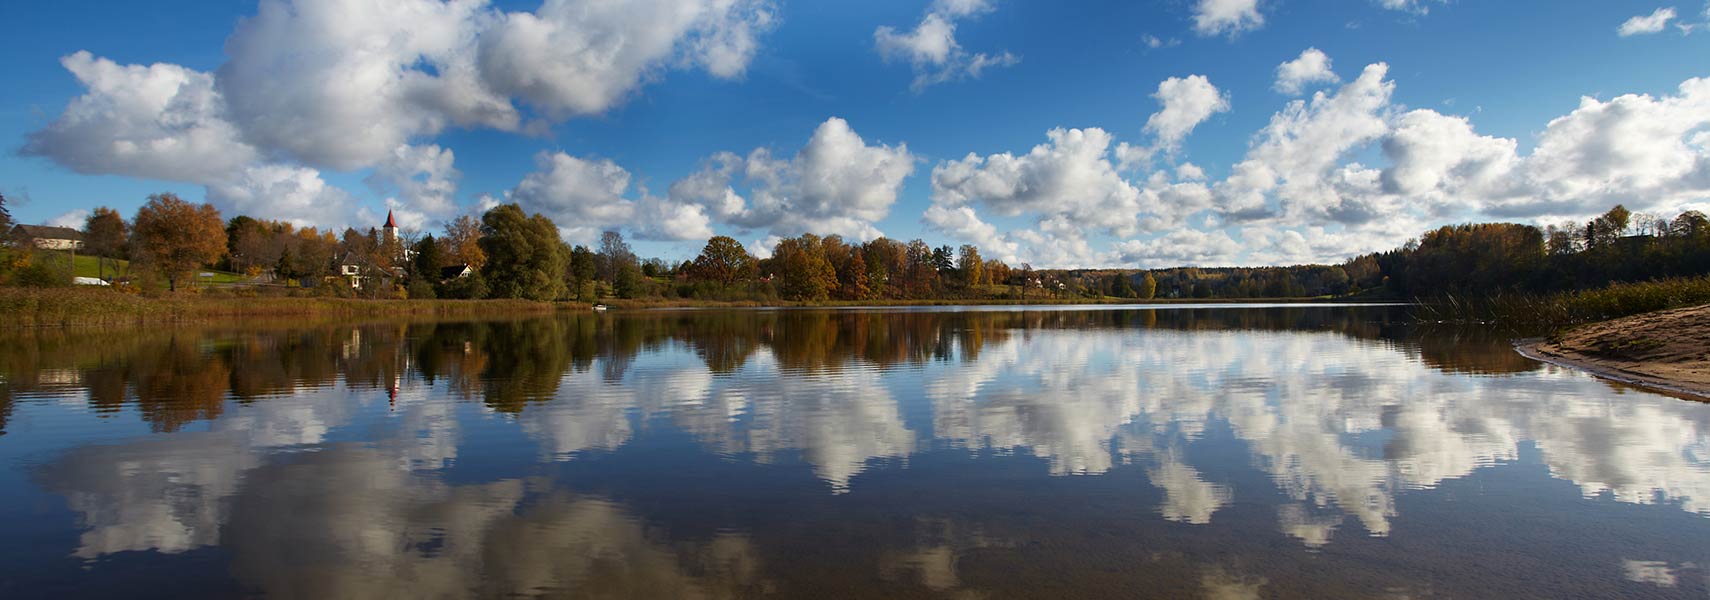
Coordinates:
<point>583,196</point>
<point>1231,17</point>
<point>1312,66</point>
<point>293,194</point>
<point>354,86</point>
<point>424,176</point>
<point>1185,103</point>
<point>573,58</point>
<point>836,184</point>
<point>159,121</point>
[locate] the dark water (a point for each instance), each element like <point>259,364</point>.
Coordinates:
<point>1307,452</point>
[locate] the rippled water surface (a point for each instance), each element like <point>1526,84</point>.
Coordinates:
<point>1213,452</point>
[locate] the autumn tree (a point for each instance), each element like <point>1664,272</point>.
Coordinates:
<point>922,270</point>
<point>306,254</point>
<point>803,272</point>
<point>175,238</point>
<point>724,262</point>
<point>1602,231</point>
<point>971,266</point>
<point>104,235</point>
<point>1148,287</point>
<point>525,258</point>
<point>996,272</point>
<point>461,243</point>
<point>887,265</point>
<point>852,269</point>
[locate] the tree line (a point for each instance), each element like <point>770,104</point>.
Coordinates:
<point>1494,258</point>
<point>508,253</point>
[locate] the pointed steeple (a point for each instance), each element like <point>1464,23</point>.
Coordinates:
<point>390,231</point>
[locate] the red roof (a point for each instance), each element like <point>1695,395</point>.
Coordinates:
<point>390,224</point>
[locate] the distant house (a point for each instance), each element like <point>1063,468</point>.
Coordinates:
<point>356,268</point>
<point>455,272</point>
<point>48,237</point>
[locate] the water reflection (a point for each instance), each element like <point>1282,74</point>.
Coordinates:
<point>556,456</point>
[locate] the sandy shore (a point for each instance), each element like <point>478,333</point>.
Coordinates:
<point>1667,349</point>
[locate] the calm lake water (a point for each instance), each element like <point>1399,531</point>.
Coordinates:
<point>1233,452</point>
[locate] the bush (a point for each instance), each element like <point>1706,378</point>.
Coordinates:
<point>43,273</point>
<point>472,287</point>
<point>420,289</point>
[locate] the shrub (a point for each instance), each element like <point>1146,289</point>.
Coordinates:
<point>420,289</point>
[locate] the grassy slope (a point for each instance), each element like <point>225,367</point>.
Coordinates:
<point>86,266</point>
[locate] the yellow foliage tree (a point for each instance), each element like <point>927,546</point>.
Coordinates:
<point>175,238</point>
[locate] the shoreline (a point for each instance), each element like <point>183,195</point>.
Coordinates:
<point>1665,350</point>
<point>81,307</point>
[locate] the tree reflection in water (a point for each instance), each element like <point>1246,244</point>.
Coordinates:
<point>347,460</point>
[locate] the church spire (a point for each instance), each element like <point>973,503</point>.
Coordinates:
<point>390,223</point>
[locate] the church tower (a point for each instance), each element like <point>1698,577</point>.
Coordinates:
<point>390,231</point>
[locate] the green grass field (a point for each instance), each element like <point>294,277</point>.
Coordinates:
<point>88,266</point>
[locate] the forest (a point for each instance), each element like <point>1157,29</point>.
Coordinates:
<point>507,253</point>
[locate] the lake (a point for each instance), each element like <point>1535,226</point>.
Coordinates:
<point>1217,452</point>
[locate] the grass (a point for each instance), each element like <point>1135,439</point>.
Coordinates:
<point>1572,308</point>
<point>89,266</point>
<point>88,306</point>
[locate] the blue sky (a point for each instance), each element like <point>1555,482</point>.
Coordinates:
<point>1450,131</point>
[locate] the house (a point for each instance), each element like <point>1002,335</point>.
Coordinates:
<point>455,272</point>
<point>355,268</point>
<point>48,237</point>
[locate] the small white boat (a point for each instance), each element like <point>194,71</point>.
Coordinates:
<point>599,308</point>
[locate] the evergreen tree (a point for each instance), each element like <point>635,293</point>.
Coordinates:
<point>427,260</point>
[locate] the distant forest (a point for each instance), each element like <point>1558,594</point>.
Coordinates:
<point>506,253</point>
<point>1469,259</point>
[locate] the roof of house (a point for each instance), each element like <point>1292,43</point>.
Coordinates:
<point>452,271</point>
<point>49,232</point>
<point>354,258</point>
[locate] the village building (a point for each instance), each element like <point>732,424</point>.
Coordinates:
<point>455,272</point>
<point>359,270</point>
<point>47,237</point>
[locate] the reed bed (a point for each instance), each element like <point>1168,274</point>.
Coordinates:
<point>44,307</point>
<point>1568,308</point>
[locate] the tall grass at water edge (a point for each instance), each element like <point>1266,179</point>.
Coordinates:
<point>1521,310</point>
